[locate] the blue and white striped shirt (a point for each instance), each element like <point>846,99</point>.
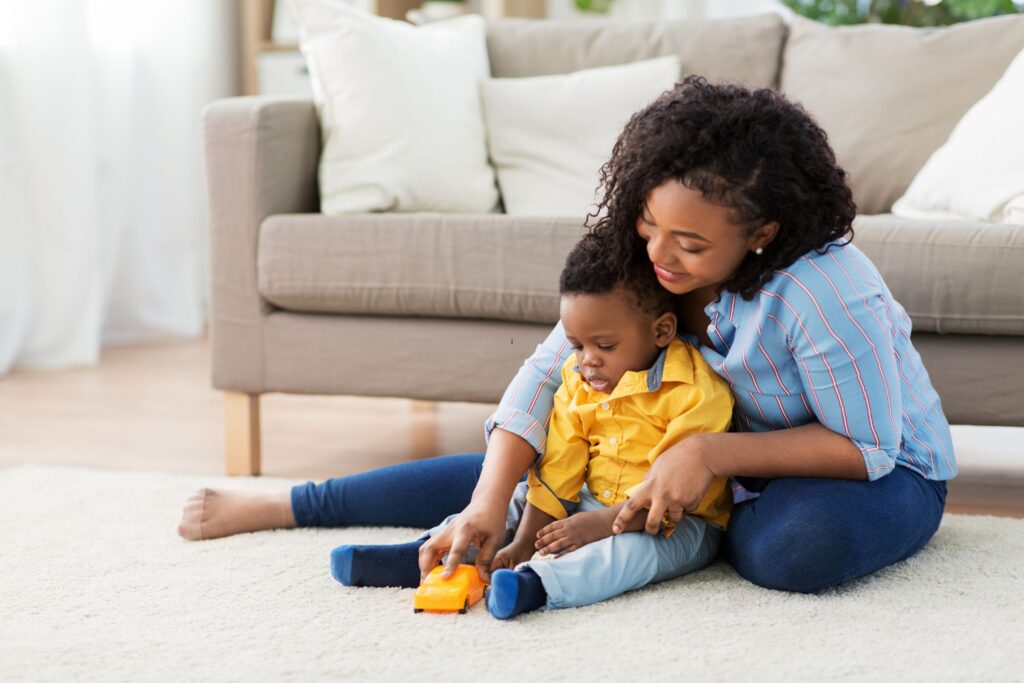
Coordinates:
<point>823,340</point>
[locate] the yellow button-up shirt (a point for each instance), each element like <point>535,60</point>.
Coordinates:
<point>609,441</point>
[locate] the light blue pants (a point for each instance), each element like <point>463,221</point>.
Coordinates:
<point>617,564</point>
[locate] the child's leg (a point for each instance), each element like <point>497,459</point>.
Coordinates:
<point>417,494</point>
<point>622,563</point>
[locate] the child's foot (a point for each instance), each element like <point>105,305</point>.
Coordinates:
<point>377,565</point>
<point>515,592</point>
<point>211,513</point>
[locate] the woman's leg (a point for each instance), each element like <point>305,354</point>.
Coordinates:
<point>418,494</point>
<point>806,535</point>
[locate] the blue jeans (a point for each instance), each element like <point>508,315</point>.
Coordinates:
<point>801,535</point>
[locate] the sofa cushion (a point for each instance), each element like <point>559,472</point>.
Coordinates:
<point>746,50</point>
<point>977,174</point>
<point>956,276</point>
<point>889,96</point>
<point>951,276</point>
<point>437,265</point>
<point>549,135</point>
<point>399,109</point>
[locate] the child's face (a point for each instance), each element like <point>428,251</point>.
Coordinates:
<point>692,243</point>
<point>611,336</point>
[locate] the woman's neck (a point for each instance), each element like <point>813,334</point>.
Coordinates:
<point>692,318</point>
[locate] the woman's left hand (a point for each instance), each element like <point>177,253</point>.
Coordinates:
<point>677,482</point>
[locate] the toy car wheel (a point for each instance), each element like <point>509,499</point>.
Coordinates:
<point>416,610</point>
<point>465,607</point>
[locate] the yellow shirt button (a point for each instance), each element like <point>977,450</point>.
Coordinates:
<point>607,494</point>
<point>613,441</point>
<point>604,406</point>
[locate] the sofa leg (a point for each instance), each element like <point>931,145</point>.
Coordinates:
<point>242,422</point>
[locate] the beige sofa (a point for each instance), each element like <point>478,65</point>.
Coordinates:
<point>446,307</point>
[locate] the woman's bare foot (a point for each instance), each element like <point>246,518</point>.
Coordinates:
<point>212,513</point>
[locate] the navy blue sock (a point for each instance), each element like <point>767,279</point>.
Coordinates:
<point>515,592</point>
<point>377,565</point>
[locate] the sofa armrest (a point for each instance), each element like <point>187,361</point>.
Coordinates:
<point>261,159</point>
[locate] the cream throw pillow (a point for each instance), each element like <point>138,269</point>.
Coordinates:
<point>549,135</point>
<point>979,172</point>
<point>399,110</point>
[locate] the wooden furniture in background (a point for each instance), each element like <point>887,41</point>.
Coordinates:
<point>257,24</point>
<point>242,434</point>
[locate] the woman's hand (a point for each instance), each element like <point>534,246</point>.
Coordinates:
<point>480,524</point>
<point>677,482</point>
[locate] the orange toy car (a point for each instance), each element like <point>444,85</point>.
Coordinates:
<point>455,594</point>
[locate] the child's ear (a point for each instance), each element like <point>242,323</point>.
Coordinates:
<point>664,329</point>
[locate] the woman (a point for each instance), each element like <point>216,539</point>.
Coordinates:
<point>840,450</point>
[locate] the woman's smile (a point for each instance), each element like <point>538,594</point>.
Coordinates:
<point>667,275</point>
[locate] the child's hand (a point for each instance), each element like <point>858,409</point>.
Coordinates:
<point>511,555</point>
<point>575,531</point>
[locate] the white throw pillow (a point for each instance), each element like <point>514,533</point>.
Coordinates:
<point>399,108</point>
<point>549,135</point>
<point>979,172</point>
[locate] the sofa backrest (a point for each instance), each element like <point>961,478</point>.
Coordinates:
<point>888,96</point>
<point>745,50</point>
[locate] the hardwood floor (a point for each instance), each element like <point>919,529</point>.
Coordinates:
<point>152,408</point>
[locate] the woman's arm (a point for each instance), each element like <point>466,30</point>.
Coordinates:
<point>681,476</point>
<point>811,450</point>
<point>516,436</point>
<point>482,523</point>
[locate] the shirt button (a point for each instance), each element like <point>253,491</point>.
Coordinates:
<point>604,406</point>
<point>613,441</point>
<point>607,494</point>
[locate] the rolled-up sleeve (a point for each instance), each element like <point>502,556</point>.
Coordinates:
<point>526,404</point>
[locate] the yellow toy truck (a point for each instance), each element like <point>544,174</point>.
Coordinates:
<point>462,589</point>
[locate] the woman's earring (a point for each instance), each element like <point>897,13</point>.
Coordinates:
<point>759,251</point>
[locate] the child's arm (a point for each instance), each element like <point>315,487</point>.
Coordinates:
<point>522,548</point>
<point>565,535</point>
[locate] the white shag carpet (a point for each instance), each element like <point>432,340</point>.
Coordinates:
<point>95,584</point>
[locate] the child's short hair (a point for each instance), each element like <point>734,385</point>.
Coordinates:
<point>588,270</point>
<point>752,151</point>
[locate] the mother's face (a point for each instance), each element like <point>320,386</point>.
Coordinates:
<point>691,242</point>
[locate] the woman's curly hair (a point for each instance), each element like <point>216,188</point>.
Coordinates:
<point>751,151</point>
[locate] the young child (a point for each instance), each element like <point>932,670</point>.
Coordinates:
<point>631,390</point>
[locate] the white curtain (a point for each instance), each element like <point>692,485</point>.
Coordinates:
<point>102,200</point>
